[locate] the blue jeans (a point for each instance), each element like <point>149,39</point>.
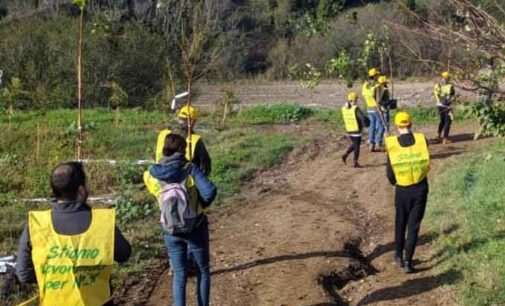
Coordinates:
<point>197,243</point>
<point>376,129</point>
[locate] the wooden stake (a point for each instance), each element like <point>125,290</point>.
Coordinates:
<point>189,122</point>
<point>38,143</point>
<point>79,89</point>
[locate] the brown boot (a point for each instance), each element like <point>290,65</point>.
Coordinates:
<point>372,147</point>
<point>446,141</point>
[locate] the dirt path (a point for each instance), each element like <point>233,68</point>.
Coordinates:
<point>326,94</point>
<point>315,232</point>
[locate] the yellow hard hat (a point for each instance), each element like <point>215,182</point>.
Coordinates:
<point>403,119</point>
<point>383,80</point>
<point>352,96</point>
<point>188,111</point>
<point>445,75</point>
<point>373,72</point>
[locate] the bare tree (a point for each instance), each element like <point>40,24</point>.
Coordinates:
<point>467,27</point>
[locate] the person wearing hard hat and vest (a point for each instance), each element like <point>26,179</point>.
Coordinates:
<point>384,100</point>
<point>70,249</point>
<point>408,164</point>
<point>196,151</point>
<point>444,93</point>
<point>354,120</point>
<point>370,91</point>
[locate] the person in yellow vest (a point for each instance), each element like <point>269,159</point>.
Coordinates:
<point>163,180</point>
<point>70,249</point>
<point>384,100</point>
<point>354,120</point>
<point>444,94</point>
<point>196,151</point>
<point>370,92</point>
<point>408,164</point>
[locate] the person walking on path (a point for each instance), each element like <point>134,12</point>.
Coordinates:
<point>370,92</point>
<point>197,152</point>
<point>444,94</point>
<point>354,120</point>
<point>384,101</point>
<point>70,249</point>
<point>183,192</point>
<point>408,163</point>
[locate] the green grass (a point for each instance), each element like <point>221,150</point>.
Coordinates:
<point>469,197</point>
<point>274,114</point>
<point>241,151</point>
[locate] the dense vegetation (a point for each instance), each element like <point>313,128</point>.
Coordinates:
<point>146,47</point>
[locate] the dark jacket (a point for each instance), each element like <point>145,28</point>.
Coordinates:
<point>172,170</point>
<point>405,140</point>
<point>201,158</point>
<point>68,219</point>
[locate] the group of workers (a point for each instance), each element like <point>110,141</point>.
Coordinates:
<point>70,249</point>
<point>378,103</point>
<point>408,158</point>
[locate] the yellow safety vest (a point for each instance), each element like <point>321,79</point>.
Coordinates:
<point>350,120</point>
<point>73,269</point>
<point>368,93</point>
<point>161,142</point>
<point>410,164</point>
<point>442,89</point>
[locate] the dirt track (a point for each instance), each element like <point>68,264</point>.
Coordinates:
<point>314,232</point>
<point>326,94</point>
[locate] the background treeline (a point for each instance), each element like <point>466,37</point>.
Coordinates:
<point>137,44</point>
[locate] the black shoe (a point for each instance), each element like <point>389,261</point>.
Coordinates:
<point>409,267</point>
<point>344,158</point>
<point>399,262</point>
<point>357,165</point>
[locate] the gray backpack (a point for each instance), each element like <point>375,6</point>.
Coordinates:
<point>179,213</point>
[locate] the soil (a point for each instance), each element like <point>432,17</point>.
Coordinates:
<point>326,94</point>
<point>314,231</point>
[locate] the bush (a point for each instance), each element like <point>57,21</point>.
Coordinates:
<point>491,117</point>
<point>278,113</point>
<point>41,53</point>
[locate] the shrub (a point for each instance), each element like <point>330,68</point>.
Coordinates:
<point>278,113</point>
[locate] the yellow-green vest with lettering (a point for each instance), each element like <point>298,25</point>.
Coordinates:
<point>161,142</point>
<point>350,120</point>
<point>410,164</point>
<point>73,269</point>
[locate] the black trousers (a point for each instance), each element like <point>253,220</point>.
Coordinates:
<point>354,147</point>
<point>445,122</point>
<point>410,205</point>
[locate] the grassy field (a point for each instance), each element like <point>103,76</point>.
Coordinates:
<point>34,142</point>
<point>468,198</point>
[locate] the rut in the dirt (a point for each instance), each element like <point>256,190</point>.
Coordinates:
<point>359,268</point>
<point>366,224</point>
